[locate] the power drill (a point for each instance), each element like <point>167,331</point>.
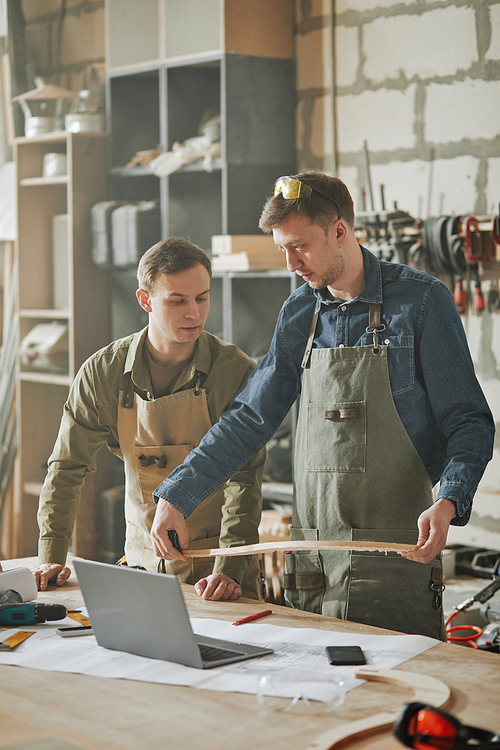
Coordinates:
<point>13,611</point>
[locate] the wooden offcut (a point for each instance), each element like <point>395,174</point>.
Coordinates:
<point>257,549</point>
<point>425,689</point>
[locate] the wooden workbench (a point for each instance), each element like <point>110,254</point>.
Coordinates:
<point>53,710</point>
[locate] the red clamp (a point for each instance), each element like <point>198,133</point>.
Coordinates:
<point>479,303</point>
<point>460,297</point>
<point>473,246</point>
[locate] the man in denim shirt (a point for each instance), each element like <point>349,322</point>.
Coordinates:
<point>389,406</point>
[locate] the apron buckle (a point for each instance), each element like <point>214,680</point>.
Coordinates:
<point>375,330</point>
<point>437,586</point>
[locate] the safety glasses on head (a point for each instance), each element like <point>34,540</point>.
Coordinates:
<point>292,188</point>
<point>427,728</point>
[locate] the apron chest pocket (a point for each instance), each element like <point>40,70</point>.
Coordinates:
<point>336,436</point>
<point>155,463</point>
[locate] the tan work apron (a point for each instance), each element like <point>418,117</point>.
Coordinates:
<point>359,477</point>
<point>155,437</point>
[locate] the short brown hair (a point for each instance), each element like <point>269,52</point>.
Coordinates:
<point>172,255</point>
<point>317,208</point>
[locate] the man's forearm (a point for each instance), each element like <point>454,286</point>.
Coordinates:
<point>241,514</point>
<point>57,512</point>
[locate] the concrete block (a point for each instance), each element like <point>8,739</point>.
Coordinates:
<point>384,117</point>
<point>463,109</point>
<point>346,54</point>
<point>453,189</point>
<point>437,43</point>
<point>493,52</point>
<point>454,185</point>
<point>309,57</point>
<point>493,188</point>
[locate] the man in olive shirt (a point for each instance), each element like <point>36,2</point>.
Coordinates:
<point>151,397</point>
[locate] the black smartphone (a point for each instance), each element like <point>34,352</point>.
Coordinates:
<point>345,655</point>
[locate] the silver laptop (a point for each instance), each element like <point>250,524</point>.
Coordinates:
<point>144,613</point>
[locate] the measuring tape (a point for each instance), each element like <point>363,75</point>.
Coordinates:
<point>12,641</point>
<point>78,617</point>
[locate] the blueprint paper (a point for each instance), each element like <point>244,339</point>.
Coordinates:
<point>298,665</point>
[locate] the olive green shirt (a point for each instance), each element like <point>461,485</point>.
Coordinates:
<point>90,420</point>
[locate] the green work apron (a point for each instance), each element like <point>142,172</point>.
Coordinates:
<point>358,477</point>
<point>155,437</point>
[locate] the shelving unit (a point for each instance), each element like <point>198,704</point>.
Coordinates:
<point>45,279</point>
<point>217,56</point>
<point>235,315</point>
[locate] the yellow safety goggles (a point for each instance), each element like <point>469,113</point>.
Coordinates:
<point>292,188</point>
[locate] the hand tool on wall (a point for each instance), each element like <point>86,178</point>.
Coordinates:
<point>13,611</point>
<point>479,303</point>
<point>368,174</point>
<point>473,246</point>
<point>460,296</point>
<point>495,230</point>
<point>389,235</point>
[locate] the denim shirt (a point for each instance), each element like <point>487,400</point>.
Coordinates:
<point>434,387</point>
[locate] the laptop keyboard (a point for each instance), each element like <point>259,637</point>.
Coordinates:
<point>212,653</point>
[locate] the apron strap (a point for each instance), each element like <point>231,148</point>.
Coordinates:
<point>375,326</point>
<point>310,340</point>
<point>374,314</point>
<point>197,388</point>
<point>128,392</point>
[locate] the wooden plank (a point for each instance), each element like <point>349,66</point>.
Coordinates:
<point>257,549</point>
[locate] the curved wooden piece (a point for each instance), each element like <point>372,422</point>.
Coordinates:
<point>426,690</point>
<point>257,549</point>
<point>354,730</point>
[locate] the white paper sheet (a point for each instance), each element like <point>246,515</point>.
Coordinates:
<point>298,665</point>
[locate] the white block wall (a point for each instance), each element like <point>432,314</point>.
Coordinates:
<point>462,109</point>
<point>415,45</point>
<point>420,84</point>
